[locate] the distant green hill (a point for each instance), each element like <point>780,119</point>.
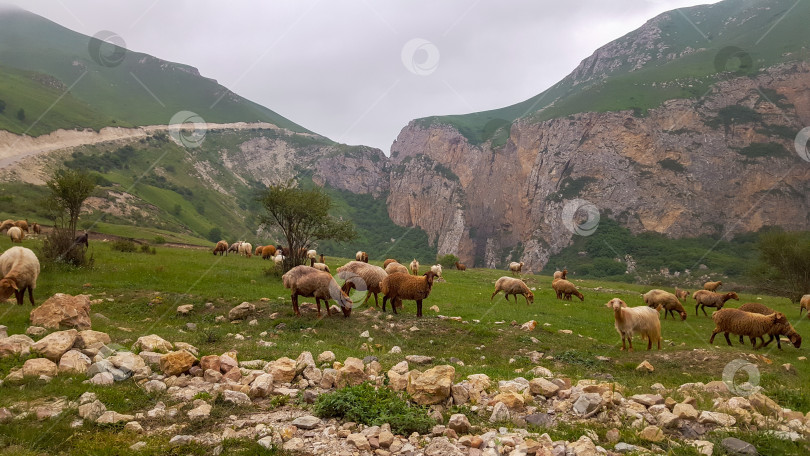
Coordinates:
<point>40,60</point>
<point>646,67</point>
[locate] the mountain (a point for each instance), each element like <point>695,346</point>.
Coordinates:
<point>684,127</point>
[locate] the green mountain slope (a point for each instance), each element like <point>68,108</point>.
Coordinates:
<point>678,54</point>
<point>112,83</point>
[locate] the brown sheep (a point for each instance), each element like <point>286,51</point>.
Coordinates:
<point>560,274</point>
<point>361,256</point>
<point>461,266</point>
<point>309,282</point>
<point>322,259</point>
<point>362,276</point>
<point>804,305</point>
<point>268,252</point>
<point>740,322</point>
<point>389,261</point>
<point>668,301</point>
<point>397,287</point>
<point>516,267</point>
<point>23,225</point>
<point>777,329</point>
<point>712,286</point>
<point>221,248</point>
<point>512,286</point>
<point>565,289</point>
<point>6,224</point>
<point>36,228</point>
<point>258,251</point>
<point>395,267</point>
<point>705,298</point>
<point>682,295</point>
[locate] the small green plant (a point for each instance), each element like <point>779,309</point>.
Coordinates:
<point>448,260</point>
<point>124,245</point>
<point>159,240</point>
<point>146,249</point>
<point>372,406</point>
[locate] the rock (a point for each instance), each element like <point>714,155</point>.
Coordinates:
<point>227,363</point>
<point>738,447</point>
<point>181,440</point>
<point>154,386</point>
<point>15,345</point>
<point>459,423</point>
<point>200,412</point>
<point>111,417</point>
<point>395,350</point>
<point>717,387</point>
<point>543,387</point>
<point>185,309</point>
<point>685,411</point>
<point>666,419</point>
<point>35,367</point>
<point>540,371</point>
<point>326,357</point>
<point>103,379</point>
<point>282,370</point>
<point>303,361</point>
<point>236,397</point>
<point>266,442</point>
<point>419,359</point>
<point>153,343</point>
<point>645,366</point>
<point>5,415</point>
<point>500,413</point>
<point>306,422</point>
<point>134,426</point>
<point>74,362</point>
<point>718,418</point>
<point>652,434</point>
<point>89,338</point>
<point>294,445</point>
<point>352,373</point>
<point>150,358</point>
<point>704,447</point>
<point>63,311</point>
<point>622,447</point>
<point>647,400</point>
<point>35,331</point>
<point>261,386</point>
<point>92,410</point>
<point>582,447</point>
<point>130,363</point>
<point>441,446</point>
<point>612,435</point>
<point>359,441</point>
<point>386,438</point>
<point>433,385</point>
<point>187,347</point>
<point>587,403</point>
<point>177,362</point>
<point>106,366</point>
<point>56,344</point>
<point>210,362</point>
<point>3,331</point>
<point>513,400</point>
<point>212,376</point>
<point>137,446</point>
<point>764,405</point>
<point>242,311</point>
<point>529,325</point>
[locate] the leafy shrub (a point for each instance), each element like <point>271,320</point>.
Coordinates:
<point>448,260</point>
<point>215,235</point>
<point>373,407</point>
<point>59,247</point>
<point>159,240</point>
<point>124,245</point>
<point>146,249</point>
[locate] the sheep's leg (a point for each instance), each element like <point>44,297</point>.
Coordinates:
<point>714,333</point>
<point>703,308</point>
<point>526,297</point>
<point>31,295</point>
<point>394,305</point>
<point>368,295</point>
<point>624,347</point>
<point>419,307</point>
<point>742,340</point>
<point>295,305</point>
<point>696,309</point>
<point>376,303</point>
<point>649,344</point>
<point>19,294</point>
<point>727,339</point>
<point>630,342</point>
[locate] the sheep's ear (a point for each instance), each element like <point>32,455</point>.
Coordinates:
<point>9,283</point>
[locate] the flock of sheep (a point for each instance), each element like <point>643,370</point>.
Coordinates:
<point>16,229</point>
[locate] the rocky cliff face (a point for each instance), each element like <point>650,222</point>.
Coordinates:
<point>723,164</point>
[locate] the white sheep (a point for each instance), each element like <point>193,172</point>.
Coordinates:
<point>414,267</point>
<point>16,234</point>
<point>361,256</point>
<point>19,268</point>
<point>395,267</point>
<point>245,249</point>
<point>516,267</point>
<point>437,269</point>
<point>279,259</point>
<point>322,267</point>
<point>513,286</point>
<point>636,320</point>
<point>312,255</point>
<point>309,282</point>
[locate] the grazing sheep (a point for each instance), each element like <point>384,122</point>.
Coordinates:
<point>23,225</point>
<point>740,322</point>
<point>312,255</point>
<point>389,261</point>
<point>6,224</point>
<point>682,295</point>
<point>279,259</point>
<point>512,286</point>
<point>221,248</point>
<point>258,251</point>
<point>777,330</point>
<point>19,269</point>
<point>565,289</point>
<point>361,256</point>
<point>268,251</point>
<point>560,274</point>
<point>36,228</point>
<point>362,276</point>
<point>235,247</point>
<point>322,267</point>
<point>461,266</point>
<point>705,298</point>
<point>712,286</point>
<point>309,282</point>
<point>83,238</point>
<point>16,234</point>
<point>395,267</point>
<point>437,269</point>
<point>516,267</point>
<point>805,305</point>
<point>668,301</point>
<point>245,249</point>
<point>322,259</point>
<point>636,320</point>
<point>397,287</point>
<point>414,267</point>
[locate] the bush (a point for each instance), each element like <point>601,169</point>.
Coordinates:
<point>215,235</point>
<point>146,249</point>
<point>124,245</point>
<point>59,247</point>
<point>159,240</point>
<point>448,260</point>
<point>373,407</point>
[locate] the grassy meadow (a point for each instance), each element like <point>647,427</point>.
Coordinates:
<point>139,293</point>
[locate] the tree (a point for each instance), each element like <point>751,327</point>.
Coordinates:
<point>784,264</point>
<point>21,114</point>
<point>303,218</point>
<point>215,234</point>
<point>69,188</point>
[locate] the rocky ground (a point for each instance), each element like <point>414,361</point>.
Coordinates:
<point>475,415</point>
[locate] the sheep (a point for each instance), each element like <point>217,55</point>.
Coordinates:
<point>636,320</point>
<point>740,322</point>
<point>221,248</point>
<point>23,225</point>
<point>461,266</point>
<point>6,224</point>
<point>804,305</point>
<point>279,259</point>
<point>312,255</point>
<point>268,251</point>
<point>560,274</point>
<point>389,261</point>
<point>512,286</point>
<point>437,269</point>
<point>398,286</point>
<point>322,259</point>
<point>712,286</point>
<point>682,295</point>
<point>83,238</point>
<point>515,267</point>
<point>565,289</point>
<point>19,268</point>
<point>366,276</point>
<point>414,267</point>
<point>245,249</point>
<point>361,256</point>
<point>16,234</point>
<point>705,298</point>
<point>235,247</point>
<point>668,301</point>
<point>309,282</point>
<point>322,267</point>
<point>395,267</point>
<point>258,251</point>
<point>776,330</point>
<point>36,228</point>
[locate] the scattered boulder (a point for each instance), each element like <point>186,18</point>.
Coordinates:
<point>441,446</point>
<point>587,403</point>
<point>419,359</point>
<point>92,410</point>
<point>645,366</point>
<point>500,412</point>
<point>199,412</point>
<point>236,397</point>
<point>153,343</point>
<point>738,447</point>
<point>433,385</point>
<point>542,386</point>
<point>359,441</point>
<point>282,370</point>
<point>459,423</point>
<point>63,311</point>
<point>15,345</point>
<point>352,373</point>
<point>89,338</point>
<point>326,357</point>
<point>177,362</point>
<point>242,311</point>
<point>652,434</point>
<point>306,422</point>
<point>35,367</point>
<point>185,309</point>
<point>74,362</point>
<point>56,344</point>
<point>111,417</point>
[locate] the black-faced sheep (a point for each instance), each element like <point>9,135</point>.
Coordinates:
<point>397,287</point>
<point>361,256</point>
<point>777,330</point>
<point>414,267</point>
<point>565,289</point>
<point>309,282</point>
<point>804,304</point>
<point>16,234</point>
<point>636,320</point>
<point>513,286</point>
<point>742,323</point>
<point>395,267</point>
<point>516,267</point>
<point>667,300</point>
<point>362,276</point>
<point>705,298</point>
<point>268,252</point>
<point>389,261</point>
<point>322,259</point>
<point>19,268</point>
<point>221,248</point>
<point>712,286</point>
<point>23,225</point>
<point>461,266</point>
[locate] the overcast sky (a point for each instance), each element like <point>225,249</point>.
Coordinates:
<point>358,71</point>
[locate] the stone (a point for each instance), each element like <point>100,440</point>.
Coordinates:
<point>329,378</point>
<point>187,347</point>
<point>282,370</point>
<point>645,366</point>
<point>63,311</point>
<point>35,367</point>
<point>176,362</point>
<point>685,411</point>
<point>479,382</point>
<point>150,358</point>
<point>500,413</point>
<point>200,412</point>
<point>718,418</point>
<point>306,422</point>
<point>212,376</point>
<point>129,363</point>
<point>92,410</point>
<point>717,387</point>
<point>359,441</point>
<point>5,415</point>
<point>111,417</point>
<point>419,359</point>
<point>622,447</point>
<point>764,405</point>
<point>3,331</point>
<point>185,309</point>
<point>460,393</point>
<point>261,386</point>
<point>134,426</point>
<point>395,350</point>
<point>55,344</point>
<point>227,363</point>
<point>513,400</point>
<point>352,373</point>
<point>647,400</point>
<point>540,371</point>
<point>433,385</point>
<point>153,343</point>
<point>326,357</point>
<point>386,438</point>
<point>529,325</point>
<point>652,434</point>
<point>704,447</point>
<point>74,362</point>
<point>154,386</point>
<point>35,331</point>
<point>459,423</point>
<point>303,361</point>
<point>242,311</point>
<point>612,435</point>
<point>441,446</point>
<point>738,447</point>
<point>210,362</point>
<point>543,387</point>
<point>106,366</point>
<point>89,338</point>
<point>181,440</point>
<point>236,397</point>
<point>102,379</point>
<point>294,445</point>
<point>539,419</point>
<point>582,447</point>
<point>587,403</point>
<point>15,345</point>
<point>667,419</point>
